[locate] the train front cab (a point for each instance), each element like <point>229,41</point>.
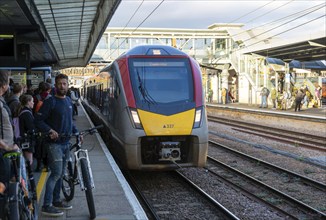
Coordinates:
<point>171,123</point>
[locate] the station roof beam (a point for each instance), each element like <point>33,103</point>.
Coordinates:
<point>62,33</point>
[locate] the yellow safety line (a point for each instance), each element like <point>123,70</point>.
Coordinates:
<point>40,184</point>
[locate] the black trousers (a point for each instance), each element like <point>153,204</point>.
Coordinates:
<point>297,105</point>
<point>5,174</point>
<point>4,170</point>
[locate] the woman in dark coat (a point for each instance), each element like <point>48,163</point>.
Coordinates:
<point>26,125</point>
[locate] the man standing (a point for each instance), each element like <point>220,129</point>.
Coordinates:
<point>13,101</point>
<point>298,99</point>
<point>55,117</point>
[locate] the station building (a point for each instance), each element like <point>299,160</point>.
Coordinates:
<point>230,57</point>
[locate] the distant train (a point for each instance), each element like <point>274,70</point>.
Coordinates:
<point>151,99</point>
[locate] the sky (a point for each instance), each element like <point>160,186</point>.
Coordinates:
<point>282,16</point>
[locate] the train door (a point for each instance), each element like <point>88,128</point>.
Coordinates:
<point>114,93</point>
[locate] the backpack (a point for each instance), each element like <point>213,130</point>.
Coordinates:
<point>38,106</point>
<point>15,124</point>
<point>39,102</point>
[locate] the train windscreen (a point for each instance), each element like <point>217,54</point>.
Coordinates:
<point>159,82</point>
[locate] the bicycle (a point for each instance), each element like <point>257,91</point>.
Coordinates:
<point>78,171</point>
<point>21,192</point>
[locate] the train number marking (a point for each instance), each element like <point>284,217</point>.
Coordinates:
<point>168,126</point>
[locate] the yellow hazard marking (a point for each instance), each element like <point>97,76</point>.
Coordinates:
<point>177,124</point>
<point>40,184</point>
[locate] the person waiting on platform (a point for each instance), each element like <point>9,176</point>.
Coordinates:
<point>230,95</point>
<point>264,92</point>
<point>6,141</point>
<point>286,97</point>
<point>273,97</point>
<point>26,125</point>
<point>306,99</point>
<point>13,101</point>
<point>210,95</point>
<point>55,117</point>
<point>298,99</point>
<point>224,93</point>
<point>318,95</point>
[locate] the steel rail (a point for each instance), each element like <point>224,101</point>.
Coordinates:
<point>280,137</point>
<point>308,209</point>
<point>307,180</point>
<point>249,194</point>
<point>218,205</point>
<point>300,137</point>
<point>133,184</point>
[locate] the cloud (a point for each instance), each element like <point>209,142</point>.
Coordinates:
<point>201,14</point>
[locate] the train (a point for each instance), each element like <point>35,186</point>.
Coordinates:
<point>152,102</point>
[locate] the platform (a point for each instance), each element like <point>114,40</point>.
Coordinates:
<point>312,120</point>
<point>317,113</point>
<point>114,199</point>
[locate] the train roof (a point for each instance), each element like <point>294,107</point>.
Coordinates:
<point>150,50</point>
<point>153,50</point>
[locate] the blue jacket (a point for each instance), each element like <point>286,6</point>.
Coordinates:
<point>56,114</point>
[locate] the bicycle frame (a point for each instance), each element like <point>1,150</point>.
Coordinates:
<point>78,171</point>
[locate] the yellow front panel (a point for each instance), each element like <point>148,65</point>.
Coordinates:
<point>178,124</point>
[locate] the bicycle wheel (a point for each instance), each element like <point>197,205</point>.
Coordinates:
<point>88,188</point>
<point>68,185</point>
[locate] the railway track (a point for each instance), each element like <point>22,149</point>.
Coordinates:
<point>171,195</point>
<point>292,192</point>
<point>298,139</point>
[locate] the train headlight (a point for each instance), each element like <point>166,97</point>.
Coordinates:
<point>135,118</point>
<point>198,118</point>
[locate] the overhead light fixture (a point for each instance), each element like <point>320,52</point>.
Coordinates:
<point>7,36</point>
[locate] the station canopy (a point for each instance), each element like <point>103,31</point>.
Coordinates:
<point>309,50</point>
<point>62,33</point>
<point>316,65</point>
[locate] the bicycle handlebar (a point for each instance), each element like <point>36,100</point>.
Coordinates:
<point>88,131</point>
<point>46,134</point>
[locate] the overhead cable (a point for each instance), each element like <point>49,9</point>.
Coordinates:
<point>285,31</point>
<point>266,13</point>
<point>273,28</point>
<point>126,25</point>
<point>283,18</point>
<point>139,24</point>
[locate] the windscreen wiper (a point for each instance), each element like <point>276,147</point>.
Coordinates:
<point>146,96</point>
